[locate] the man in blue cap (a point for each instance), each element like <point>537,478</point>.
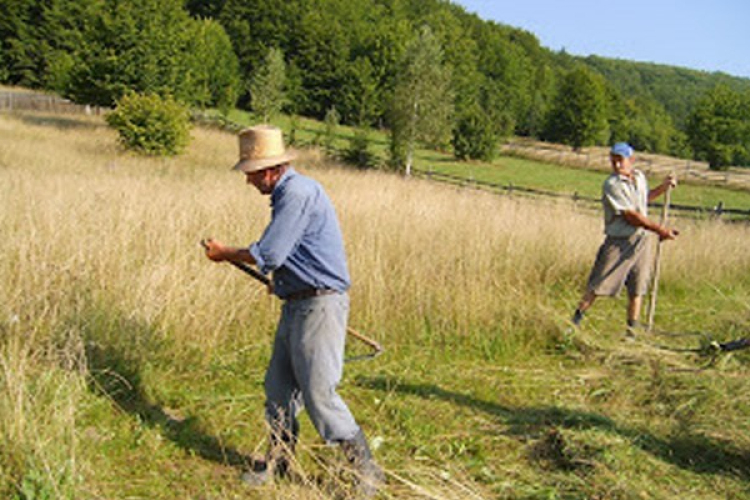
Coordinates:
<point>624,259</point>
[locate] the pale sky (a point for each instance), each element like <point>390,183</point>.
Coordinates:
<point>708,35</point>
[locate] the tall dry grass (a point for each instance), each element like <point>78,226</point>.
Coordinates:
<point>100,248</point>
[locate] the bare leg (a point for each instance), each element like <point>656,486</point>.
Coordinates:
<point>586,301</point>
<point>634,308</point>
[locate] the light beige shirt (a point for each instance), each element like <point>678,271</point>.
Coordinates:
<point>620,193</point>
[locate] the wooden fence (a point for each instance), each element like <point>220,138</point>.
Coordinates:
<point>510,189</point>
<point>33,101</point>
<point>597,158</point>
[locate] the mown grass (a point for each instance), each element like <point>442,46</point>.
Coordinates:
<point>131,367</point>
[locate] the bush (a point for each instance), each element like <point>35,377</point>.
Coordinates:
<point>150,124</point>
<point>358,153</point>
<point>475,137</point>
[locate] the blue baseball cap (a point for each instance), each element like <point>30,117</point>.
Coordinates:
<point>622,149</point>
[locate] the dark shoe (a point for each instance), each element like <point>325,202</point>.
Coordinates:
<point>278,459</point>
<point>634,330</point>
<point>370,475</point>
<point>577,318</point>
<point>259,474</point>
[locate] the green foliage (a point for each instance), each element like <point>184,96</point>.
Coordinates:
<point>337,52</point>
<point>322,52</point>
<point>35,486</point>
<point>719,128</point>
<point>641,122</point>
<point>579,113</point>
<point>4,73</point>
<point>677,89</point>
<point>423,99</point>
<point>20,38</point>
<point>150,124</point>
<point>362,95</point>
<point>475,136</point>
<point>331,122</point>
<point>359,153</point>
<point>267,86</point>
<point>215,69</point>
<point>153,46</point>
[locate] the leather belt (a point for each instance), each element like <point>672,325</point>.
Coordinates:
<point>308,294</point>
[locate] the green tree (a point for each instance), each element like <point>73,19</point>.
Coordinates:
<point>641,122</point>
<point>254,27</point>
<point>359,152</point>
<point>506,64</point>
<point>481,127</point>
<point>475,136</point>
<point>461,53</point>
<point>150,124</point>
<point>215,69</point>
<point>579,112</point>
<point>143,46</point>
<point>19,37</point>
<point>332,121</point>
<point>423,100</point>
<point>322,53</point>
<point>204,9</point>
<point>719,128</point>
<point>268,84</point>
<point>361,96</point>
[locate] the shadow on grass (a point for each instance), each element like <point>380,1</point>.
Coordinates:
<point>71,122</point>
<point>115,369</point>
<point>693,452</point>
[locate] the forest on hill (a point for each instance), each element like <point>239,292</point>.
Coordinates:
<point>467,82</point>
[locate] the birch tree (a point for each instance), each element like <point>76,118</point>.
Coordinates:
<point>422,102</point>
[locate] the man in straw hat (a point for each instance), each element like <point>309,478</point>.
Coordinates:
<point>624,257</point>
<point>303,247</point>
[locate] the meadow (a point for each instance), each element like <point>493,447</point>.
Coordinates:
<point>131,367</point>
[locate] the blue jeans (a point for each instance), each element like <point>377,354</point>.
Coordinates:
<point>306,367</point>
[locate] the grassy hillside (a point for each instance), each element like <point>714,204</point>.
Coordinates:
<point>696,187</point>
<point>131,367</point>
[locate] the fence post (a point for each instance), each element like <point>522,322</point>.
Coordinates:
<point>718,210</point>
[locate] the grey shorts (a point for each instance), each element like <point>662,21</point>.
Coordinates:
<point>622,262</point>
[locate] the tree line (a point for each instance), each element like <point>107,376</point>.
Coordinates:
<point>426,70</point>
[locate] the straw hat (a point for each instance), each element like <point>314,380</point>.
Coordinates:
<point>262,147</point>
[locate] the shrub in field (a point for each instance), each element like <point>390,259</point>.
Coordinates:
<point>358,153</point>
<point>150,124</point>
<point>475,137</point>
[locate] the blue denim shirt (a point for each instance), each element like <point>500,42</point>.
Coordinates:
<point>302,244</point>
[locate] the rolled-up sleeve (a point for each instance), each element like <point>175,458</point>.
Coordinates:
<point>289,219</point>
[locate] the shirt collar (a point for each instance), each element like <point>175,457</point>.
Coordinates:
<point>632,179</point>
<point>288,174</point>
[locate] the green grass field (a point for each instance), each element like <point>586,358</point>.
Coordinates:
<point>131,367</point>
